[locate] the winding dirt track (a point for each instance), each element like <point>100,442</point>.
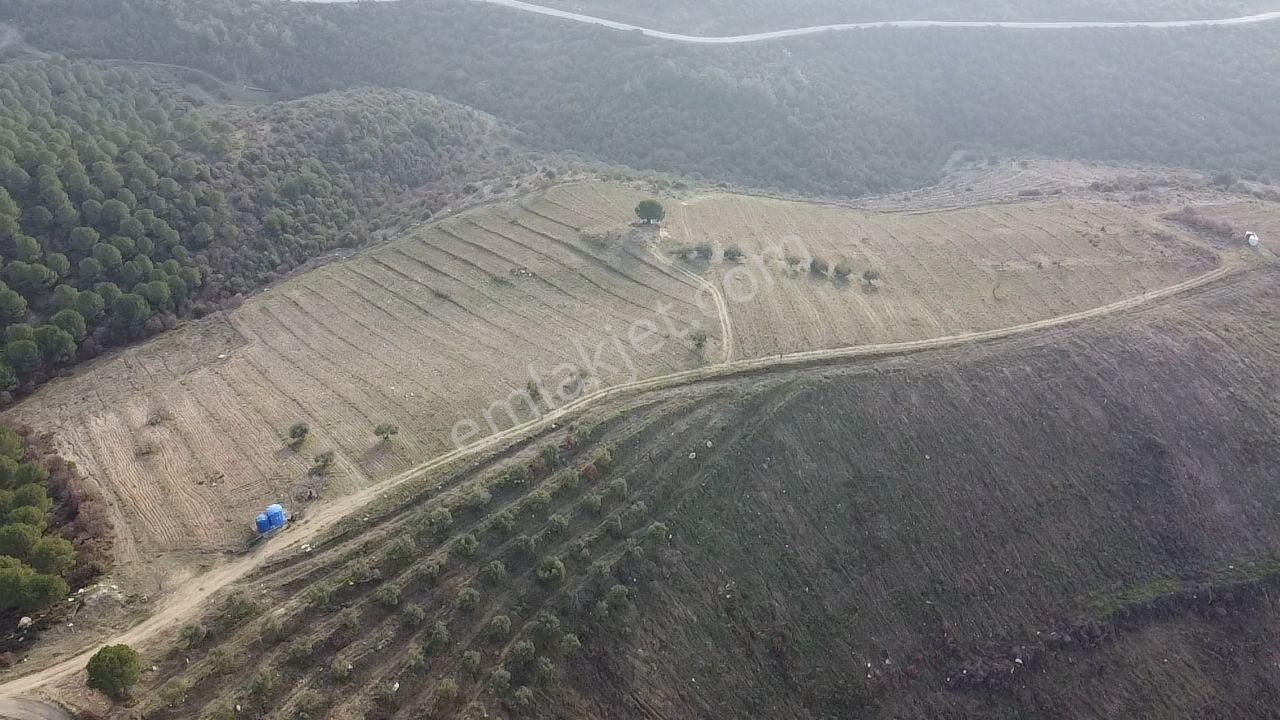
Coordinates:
<point>186,603</point>
<point>722,308</point>
<point>839,27</point>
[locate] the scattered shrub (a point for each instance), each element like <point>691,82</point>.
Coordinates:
<point>477,497</point>
<point>537,501</point>
<point>415,660</point>
<point>551,571</point>
<point>546,625</point>
<point>437,521</point>
<point>593,502</point>
<point>558,524</point>
<point>499,627</point>
<point>349,621</point>
<point>521,653</point>
<point>499,680</point>
<point>237,608</point>
<point>818,266</point>
<point>263,683</point>
<point>427,572</point>
<point>618,597</point>
<point>300,653</point>
<point>733,253</point>
<point>385,431</point>
<point>617,489</point>
<point>318,596</point>
<point>298,433</point>
<point>471,662</point>
<point>468,599</point>
<point>569,480</point>
<point>272,629</point>
<point>843,270</point>
<point>550,455</point>
<point>569,644</point>
<point>603,458</point>
<point>192,634</point>
<point>504,523</point>
<point>223,661</point>
<point>543,670</point>
<point>467,545</point>
<point>438,638</point>
<point>399,553</point>
<point>523,699</point>
<point>447,690</point>
<point>703,250</point>
<point>494,573</point>
<point>389,596</point>
<point>340,670</point>
<point>526,546</point>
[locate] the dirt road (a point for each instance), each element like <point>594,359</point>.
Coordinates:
<point>838,27</point>
<point>185,604</point>
<point>17,709</point>
<point>722,308</point>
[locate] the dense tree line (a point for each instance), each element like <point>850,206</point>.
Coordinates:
<point>124,207</point>
<point>845,114</point>
<point>102,214</point>
<point>35,562</point>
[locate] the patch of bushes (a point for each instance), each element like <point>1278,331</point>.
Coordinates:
<point>468,599</point>
<point>551,571</point>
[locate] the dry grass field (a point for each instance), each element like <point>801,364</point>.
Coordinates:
<point>185,434</point>
<point>943,273</point>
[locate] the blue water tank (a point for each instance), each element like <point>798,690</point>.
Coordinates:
<point>262,522</point>
<point>275,515</point>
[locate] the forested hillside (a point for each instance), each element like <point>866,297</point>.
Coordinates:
<point>848,114</point>
<point>124,206</point>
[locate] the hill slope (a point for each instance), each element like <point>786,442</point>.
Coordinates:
<point>1031,526</point>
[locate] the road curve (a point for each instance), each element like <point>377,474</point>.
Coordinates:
<point>837,27</point>
<point>20,709</point>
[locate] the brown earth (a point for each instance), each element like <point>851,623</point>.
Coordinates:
<point>933,515</point>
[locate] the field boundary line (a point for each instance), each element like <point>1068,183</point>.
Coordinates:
<point>188,601</point>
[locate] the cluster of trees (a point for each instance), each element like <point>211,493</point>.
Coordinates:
<point>102,214</point>
<point>34,562</point>
<point>124,207</point>
<point>833,114</point>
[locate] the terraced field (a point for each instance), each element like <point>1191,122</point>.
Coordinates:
<point>423,333</point>
<point>756,546</point>
<point>942,273</point>
<point>479,322</point>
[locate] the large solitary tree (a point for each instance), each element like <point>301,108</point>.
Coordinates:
<point>114,669</point>
<point>650,211</point>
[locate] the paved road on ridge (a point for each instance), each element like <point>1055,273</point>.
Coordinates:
<point>836,27</point>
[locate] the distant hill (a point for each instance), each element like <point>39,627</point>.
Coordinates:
<point>128,204</point>
<point>722,17</point>
<point>849,114</point>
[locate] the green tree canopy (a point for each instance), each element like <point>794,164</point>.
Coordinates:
<point>651,211</point>
<point>114,670</point>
